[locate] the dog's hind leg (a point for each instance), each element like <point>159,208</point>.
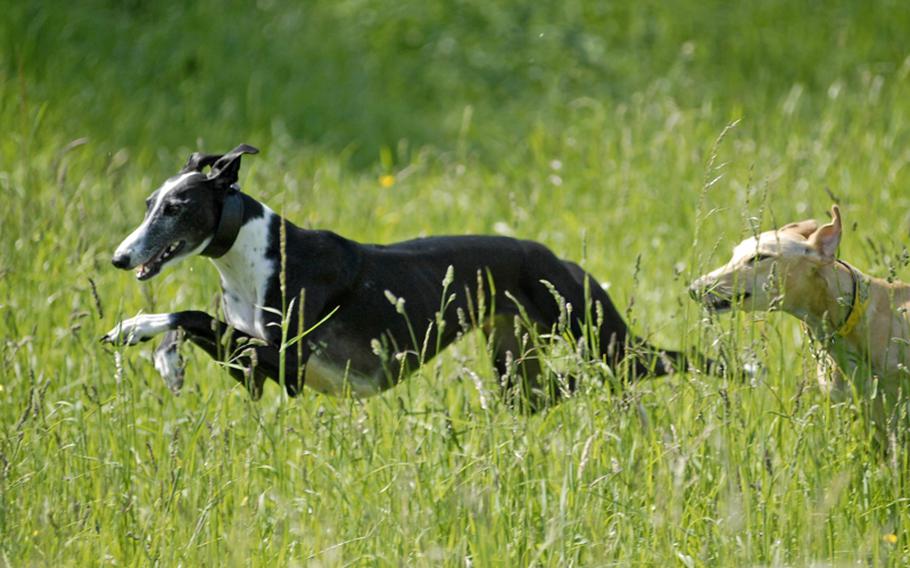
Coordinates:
<point>520,339</point>
<point>565,294</point>
<point>517,363</point>
<point>630,356</point>
<point>595,319</point>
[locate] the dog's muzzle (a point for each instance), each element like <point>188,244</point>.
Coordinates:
<point>706,293</point>
<point>699,288</point>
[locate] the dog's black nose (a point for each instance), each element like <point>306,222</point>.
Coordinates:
<point>121,260</point>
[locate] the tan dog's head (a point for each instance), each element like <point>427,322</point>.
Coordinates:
<point>774,270</point>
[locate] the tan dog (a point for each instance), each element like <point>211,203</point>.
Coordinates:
<point>861,322</point>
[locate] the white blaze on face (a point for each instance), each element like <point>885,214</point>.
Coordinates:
<point>744,251</point>
<point>777,243</point>
<point>134,242</point>
<point>783,243</point>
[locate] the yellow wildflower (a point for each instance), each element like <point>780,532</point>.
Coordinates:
<point>890,538</point>
<point>387,180</point>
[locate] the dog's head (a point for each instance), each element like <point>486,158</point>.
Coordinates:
<point>773,270</point>
<point>182,215</point>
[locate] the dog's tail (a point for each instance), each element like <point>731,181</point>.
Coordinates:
<point>645,360</point>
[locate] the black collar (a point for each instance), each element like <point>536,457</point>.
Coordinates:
<point>228,226</point>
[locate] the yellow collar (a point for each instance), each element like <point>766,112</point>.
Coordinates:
<point>857,307</point>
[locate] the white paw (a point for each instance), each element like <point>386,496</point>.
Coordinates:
<point>169,364</point>
<point>138,329</point>
<point>754,372</point>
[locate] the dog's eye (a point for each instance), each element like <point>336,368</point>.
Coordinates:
<point>758,258</point>
<point>171,209</point>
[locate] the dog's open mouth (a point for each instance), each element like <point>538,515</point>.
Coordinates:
<point>720,304</point>
<point>152,267</point>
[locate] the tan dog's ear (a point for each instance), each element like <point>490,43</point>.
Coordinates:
<point>803,228</point>
<point>827,237</point>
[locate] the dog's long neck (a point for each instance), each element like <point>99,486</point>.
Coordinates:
<point>248,268</point>
<point>825,301</point>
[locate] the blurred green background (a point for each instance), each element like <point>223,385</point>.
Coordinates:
<point>642,138</point>
<point>360,75</point>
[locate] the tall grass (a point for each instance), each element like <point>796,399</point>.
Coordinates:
<point>591,127</point>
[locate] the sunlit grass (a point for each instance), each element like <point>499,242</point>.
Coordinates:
<point>100,464</point>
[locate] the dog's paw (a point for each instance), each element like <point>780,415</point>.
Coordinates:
<point>753,371</point>
<point>138,329</point>
<point>168,361</point>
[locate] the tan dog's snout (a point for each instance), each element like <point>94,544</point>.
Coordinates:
<point>699,287</point>
<point>711,293</point>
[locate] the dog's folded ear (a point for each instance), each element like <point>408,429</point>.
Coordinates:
<point>802,228</point>
<point>826,239</point>
<point>227,167</point>
<point>199,161</point>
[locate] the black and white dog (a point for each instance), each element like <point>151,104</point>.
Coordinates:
<point>382,310</point>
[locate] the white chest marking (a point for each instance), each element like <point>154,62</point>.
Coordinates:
<point>245,274</point>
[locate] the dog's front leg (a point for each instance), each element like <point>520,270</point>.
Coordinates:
<point>250,360</point>
<point>168,360</point>
<point>140,328</point>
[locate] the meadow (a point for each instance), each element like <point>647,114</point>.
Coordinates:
<point>642,139</point>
